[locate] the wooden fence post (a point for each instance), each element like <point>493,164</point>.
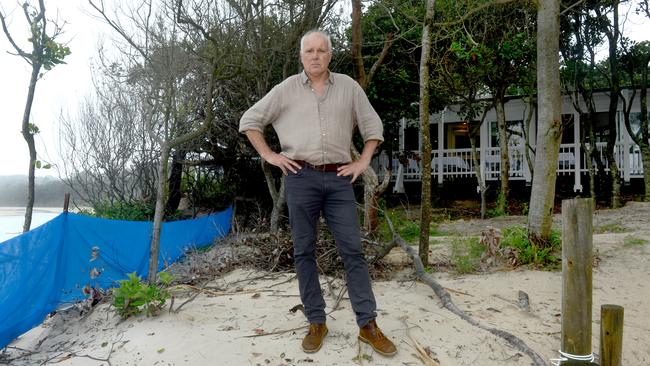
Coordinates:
<point>611,335</point>
<point>66,202</point>
<point>577,262</point>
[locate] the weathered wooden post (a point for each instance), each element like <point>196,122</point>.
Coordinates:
<point>611,335</point>
<point>577,261</point>
<point>66,202</point>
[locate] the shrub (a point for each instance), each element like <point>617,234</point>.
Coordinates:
<point>131,211</point>
<point>516,237</point>
<point>211,191</point>
<point>494,212</point>
<point>133,296</point>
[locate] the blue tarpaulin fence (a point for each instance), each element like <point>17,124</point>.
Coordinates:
<point>45,268</point>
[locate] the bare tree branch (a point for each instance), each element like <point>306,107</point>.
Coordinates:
<point>473,11</point>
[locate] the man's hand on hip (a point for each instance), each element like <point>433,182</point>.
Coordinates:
<point>354,169</point>
<point>282,162</point>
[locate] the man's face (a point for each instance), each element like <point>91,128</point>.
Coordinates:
<point>315,55</point>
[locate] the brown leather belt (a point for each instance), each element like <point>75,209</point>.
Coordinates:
<point>320,168</point>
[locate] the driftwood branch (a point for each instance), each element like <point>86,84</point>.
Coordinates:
<point>448,304</point>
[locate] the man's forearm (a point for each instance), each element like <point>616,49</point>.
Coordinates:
<point>259,143</point>
<point>368,150</point>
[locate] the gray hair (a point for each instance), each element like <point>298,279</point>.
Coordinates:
<point>320,33</point>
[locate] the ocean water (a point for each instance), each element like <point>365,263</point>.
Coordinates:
<point>12,218</point>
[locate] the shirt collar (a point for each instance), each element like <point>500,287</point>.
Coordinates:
<point>305,79</point>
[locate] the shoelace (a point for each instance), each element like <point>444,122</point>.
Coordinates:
<point>313,329</point>
<point>376,332</point>
<point>379,334</point>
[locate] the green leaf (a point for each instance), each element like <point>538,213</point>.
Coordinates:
<point>165,278</point>
<point>33,129</point>
<point>37,164</point>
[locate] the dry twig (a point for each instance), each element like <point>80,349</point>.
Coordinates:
<point>276,332</point>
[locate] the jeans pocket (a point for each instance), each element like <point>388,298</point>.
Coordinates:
<point>345,178</point>
<point>297,174</point>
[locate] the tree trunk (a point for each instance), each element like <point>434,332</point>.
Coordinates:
<point>357,58</point>
<point>40,41</point>
<point>614,172</point>
<point>549,122</point>
<point>28,135</point>
<point>645,134</point>
<point>425,211</point>
<point>527,150</point>
<point>29,208</point>
<point>479,176</point>
<point>278,206</point>
<point>277,195</point>
<point>370,202</point>
<point>175,182</point>
<point>584,90</point>
<point>161,193</point>
<point>372,190</point>
<point>503,148</point>
<point>589,146</point>
<point>641,136</point>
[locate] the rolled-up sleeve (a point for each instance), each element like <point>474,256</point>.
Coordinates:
<point>366,117</point>
<point>262,113</point>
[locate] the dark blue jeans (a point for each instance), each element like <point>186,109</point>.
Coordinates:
<point>309,193</point>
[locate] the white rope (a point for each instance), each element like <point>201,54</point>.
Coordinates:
<point>564,356</point>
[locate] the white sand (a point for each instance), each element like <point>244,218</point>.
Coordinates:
<point>219,330</point>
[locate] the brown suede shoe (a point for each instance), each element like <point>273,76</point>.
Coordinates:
<point>372,335</point>
<point>314,339</point>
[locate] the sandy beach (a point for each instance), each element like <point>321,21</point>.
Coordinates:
<point>19,211</point>
<point>244,317</point>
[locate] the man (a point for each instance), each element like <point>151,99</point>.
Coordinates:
<point>314,114</point>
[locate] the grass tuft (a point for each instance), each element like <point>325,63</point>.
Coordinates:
<point>632,241</point>
<point>466,254</point>
<point>609,228</point>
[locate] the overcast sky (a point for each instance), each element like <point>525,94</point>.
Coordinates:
<point>61,89</point>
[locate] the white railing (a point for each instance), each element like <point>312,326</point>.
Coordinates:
<point>459,163</point>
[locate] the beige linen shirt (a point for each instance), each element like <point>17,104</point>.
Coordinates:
<point>313,128</point>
